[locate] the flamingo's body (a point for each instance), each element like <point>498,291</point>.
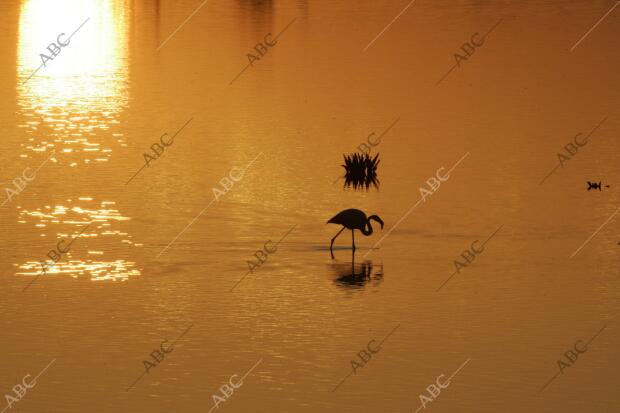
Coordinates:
<point>353,219</point>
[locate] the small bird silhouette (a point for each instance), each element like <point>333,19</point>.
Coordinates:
<point>595,185</point>
<point>353,219</point>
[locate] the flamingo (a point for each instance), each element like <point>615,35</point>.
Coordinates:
<point>353,219</point>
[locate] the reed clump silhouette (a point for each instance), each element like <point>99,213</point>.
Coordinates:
<point>361,171</point>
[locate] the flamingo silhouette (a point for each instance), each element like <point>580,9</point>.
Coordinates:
<point>353,219</point>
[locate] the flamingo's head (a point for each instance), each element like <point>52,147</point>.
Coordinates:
<point>376,218</point>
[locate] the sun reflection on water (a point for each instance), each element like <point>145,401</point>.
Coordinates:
<point>91,245</point>
<point>75,98</point>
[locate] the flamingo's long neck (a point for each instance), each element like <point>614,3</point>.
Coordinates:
<point>367,231</point>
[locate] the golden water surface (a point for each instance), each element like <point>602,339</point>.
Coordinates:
<point>153,161</point>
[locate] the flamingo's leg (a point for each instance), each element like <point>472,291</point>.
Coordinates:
<point>353,237</point>
<point>333,239</point>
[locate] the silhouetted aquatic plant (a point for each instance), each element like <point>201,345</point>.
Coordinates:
<point>360,171</point>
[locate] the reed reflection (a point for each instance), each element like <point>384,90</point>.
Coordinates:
<point>361,171</point>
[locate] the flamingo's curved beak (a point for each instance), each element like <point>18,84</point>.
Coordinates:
<point>380,222</point>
